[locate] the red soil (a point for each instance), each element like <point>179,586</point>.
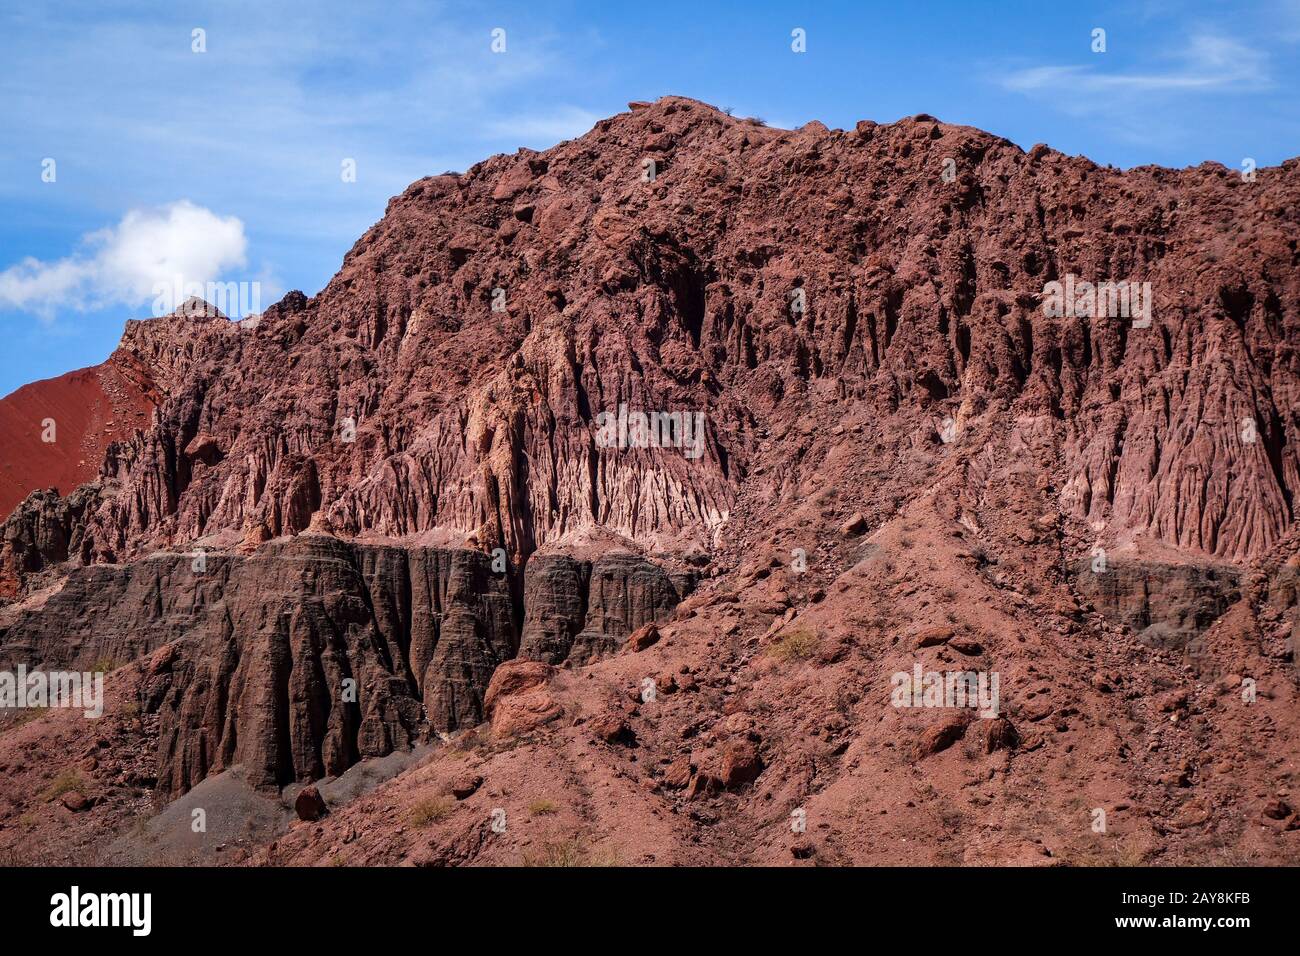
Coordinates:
<point>90,408</point>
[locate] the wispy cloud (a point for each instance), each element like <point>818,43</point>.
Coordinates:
<point>1207,63</point>
<point>125,264</point>
<point>277,117</point>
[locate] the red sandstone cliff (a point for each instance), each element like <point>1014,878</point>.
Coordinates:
<point>883,392</point>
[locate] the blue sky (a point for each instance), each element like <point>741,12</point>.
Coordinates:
<point>226,164</point>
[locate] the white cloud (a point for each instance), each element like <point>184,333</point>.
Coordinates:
<point>123,264</point>
<point>1207,63</point>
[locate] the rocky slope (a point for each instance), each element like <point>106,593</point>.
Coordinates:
<point>408,482</point>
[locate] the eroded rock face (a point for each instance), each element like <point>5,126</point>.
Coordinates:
<point>44,531</point>
<point>310,653</point>
<point>324,652</point>
<point>555,615</point>
<point>410,403</point>
<point>398,402</point>
<point>579,611</point>
<point>109,615</point>
<point>1167,605</point>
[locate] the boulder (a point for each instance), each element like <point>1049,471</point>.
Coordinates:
<point>855,525</point>
<point>75,801</point>
<point>309,804</point>
<point>741,763</point>
<point>1000,734</point>
<point>518,699</point>
<point>643,637</point>
<point>932,637</point>
<point>613,728</point>
<point>678,773</point>
<point>942,734</point>
<point>466,785</point>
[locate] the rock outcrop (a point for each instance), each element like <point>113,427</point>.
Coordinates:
<point>579,611</point>
<point>310,653</point>
<point>1166,605</point>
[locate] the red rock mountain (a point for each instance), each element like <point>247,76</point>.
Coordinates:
<point>419,508</point>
